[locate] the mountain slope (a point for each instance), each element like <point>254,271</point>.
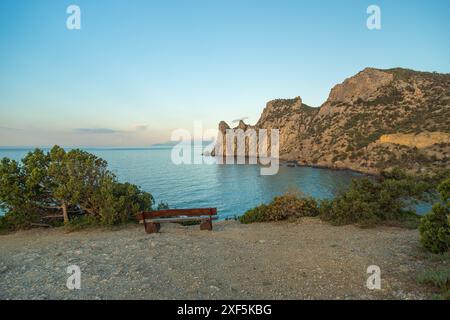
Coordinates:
<point>372,121</point>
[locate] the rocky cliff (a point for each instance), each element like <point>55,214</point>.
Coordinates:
<point>373,121</point>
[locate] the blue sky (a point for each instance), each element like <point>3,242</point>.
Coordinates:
<point>139,69</point>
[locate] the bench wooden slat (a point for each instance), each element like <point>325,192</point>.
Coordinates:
<point>178,212</point>
<point>53,216</point>
<point>176,219</point>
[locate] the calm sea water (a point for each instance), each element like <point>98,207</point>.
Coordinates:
<point>231,188</point>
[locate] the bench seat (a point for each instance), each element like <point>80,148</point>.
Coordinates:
<point>152,219</point>
<point>178,219</point>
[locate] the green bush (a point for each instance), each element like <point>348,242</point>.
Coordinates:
<point>439,278</point>
<point>284,207</point>
<point>368,202</point>
<point>435,226</point>
<point>82,222</point>
<point>162,206</point>
<point>444,190</point>
<point>20,219</point>
<point>290,206</point>
<point>65,182</point>
<point>257,214</point>
<point>120,202</point>
<point>351,207</point>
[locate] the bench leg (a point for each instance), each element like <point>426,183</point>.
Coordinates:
<point>206,225</point>
<point>152,227</point>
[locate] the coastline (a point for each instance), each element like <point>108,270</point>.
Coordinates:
<point>363,173</point>
<point>297,163</point>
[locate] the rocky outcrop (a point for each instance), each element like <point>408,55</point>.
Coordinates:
<point>417,140</point>
<point>362,86</point>
<point>372,121</point>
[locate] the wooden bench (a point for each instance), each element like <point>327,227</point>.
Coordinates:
<point>152,219</point>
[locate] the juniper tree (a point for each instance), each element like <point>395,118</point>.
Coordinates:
<point>64,181</point>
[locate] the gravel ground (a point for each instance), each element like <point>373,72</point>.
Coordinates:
<point>307,259</point>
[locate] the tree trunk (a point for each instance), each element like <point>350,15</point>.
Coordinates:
<point>64,210</point>
<point>88,210</point>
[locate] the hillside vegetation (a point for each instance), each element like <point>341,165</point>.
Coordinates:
<point>373,121</point>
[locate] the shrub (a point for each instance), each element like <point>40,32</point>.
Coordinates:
<point>439,278</point>
<point>120,202</point>
<point>444,190</point>
<point>435,226</point>
<point>65,182</point>
<point>18,219</point>
<point>290,206</point>
<point>368,202</point>
<point>283,207</point>
<point>354,206</point>
<point>162,206</point>
<point>82,222</point>
<point>435,230</point>
<point>256,214</point>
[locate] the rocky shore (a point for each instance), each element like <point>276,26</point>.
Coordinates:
<point>373,121</point>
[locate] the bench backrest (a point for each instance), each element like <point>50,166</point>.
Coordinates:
<point>177,212</point>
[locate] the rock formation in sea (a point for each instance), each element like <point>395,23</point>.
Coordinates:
<point>375,120</point>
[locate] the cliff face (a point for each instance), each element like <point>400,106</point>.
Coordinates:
<point>372,121</point>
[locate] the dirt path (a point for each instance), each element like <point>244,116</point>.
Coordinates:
<point>302,260</point>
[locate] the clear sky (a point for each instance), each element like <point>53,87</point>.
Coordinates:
<point>139,69</point>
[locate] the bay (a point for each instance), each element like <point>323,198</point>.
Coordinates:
<point>233,189</point>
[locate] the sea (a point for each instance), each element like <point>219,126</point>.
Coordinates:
<point>231,188</point>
